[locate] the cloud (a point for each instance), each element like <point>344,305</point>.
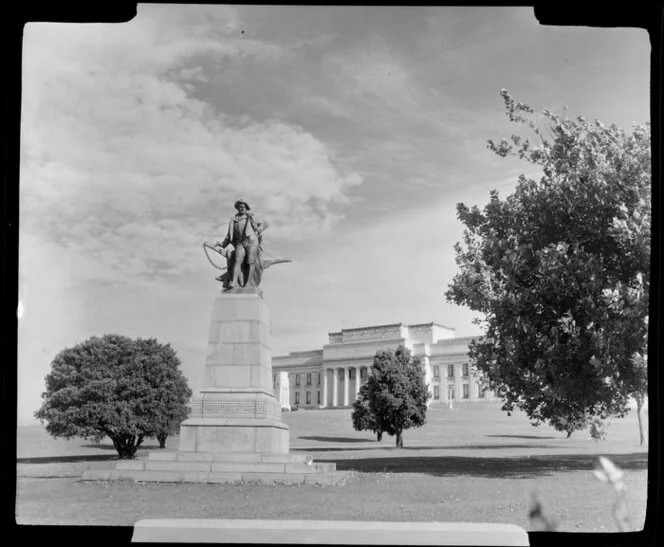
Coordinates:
<point>124,170</point>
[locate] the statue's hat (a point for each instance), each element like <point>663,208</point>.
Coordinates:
<point>242,201</point>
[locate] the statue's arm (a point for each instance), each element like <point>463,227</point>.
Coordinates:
<point>227,239</point>
<point>262,225</point>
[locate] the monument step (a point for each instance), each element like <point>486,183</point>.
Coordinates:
<point>228,467</point>
<point>327,477</point>
<point>238,457</point>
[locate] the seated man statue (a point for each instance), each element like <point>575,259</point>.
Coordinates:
<point>244,233</point>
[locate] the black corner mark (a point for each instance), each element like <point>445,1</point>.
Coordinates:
<point>118,11</point>
<point>644,15</point>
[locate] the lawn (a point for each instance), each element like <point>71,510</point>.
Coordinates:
<point>473,463</point>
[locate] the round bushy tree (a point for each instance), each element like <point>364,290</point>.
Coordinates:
<point>117,387</point>
<point>396,392</point>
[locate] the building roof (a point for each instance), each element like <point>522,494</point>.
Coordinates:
<point>367,328</point>
<point>304,352</point>
<point>432,323</point>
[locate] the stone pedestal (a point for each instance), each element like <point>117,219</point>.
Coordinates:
<point>235,432</point>
<point>238,412</point>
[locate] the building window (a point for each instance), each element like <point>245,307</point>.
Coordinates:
<point>363,372</point>
<point>297,397</point>
<point>309,379</point>
<point>465,369</point>
<point>466,391</point>
<point>436,392</point>
<point>297,379</point>
<point>436,371</point>
<point>308,397</point>
<point>319,378</point>
<point>450,392</point>
<point>319,397</point>
<point>450,371</point>
<point>351,374</point>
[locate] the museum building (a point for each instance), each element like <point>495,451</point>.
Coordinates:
<point>331,377</point>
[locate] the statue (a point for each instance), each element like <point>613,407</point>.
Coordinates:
<point>282,390</point>
<point>243,250</point>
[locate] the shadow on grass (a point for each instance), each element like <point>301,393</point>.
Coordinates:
<point>70,459</point>
<point>391,446</point>
<point>522,437</point>
<point>337,439</point>
<point>338,449</point>
<point>514,468</point>
<point>111,447</point>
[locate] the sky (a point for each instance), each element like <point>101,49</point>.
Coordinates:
<point>354,131</point>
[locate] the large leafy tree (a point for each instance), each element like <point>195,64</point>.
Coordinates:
<point>560,271</point>
<point>117,387</point>
<point>396,392</point>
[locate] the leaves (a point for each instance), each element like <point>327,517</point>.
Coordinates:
<point>560,270</point>
<point>362,417</point>
<point>113,385</point>
<point>395,395</point>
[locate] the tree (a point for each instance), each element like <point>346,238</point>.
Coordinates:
<point>117,387</point>
<point>161,438</point>
<point>568,422</point>
<point>362,417</point>
<point>169,412</point>
<point>396,392</point>
<point>560,270</point>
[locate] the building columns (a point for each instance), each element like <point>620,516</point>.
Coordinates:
<point>346,374</point>
<point>428,378</point>
<point>472,386</point>
<point>341,394</point>
<point>344,396</point>
<point>325,387</point>
<point>458,371</point>
<point>335,387</point>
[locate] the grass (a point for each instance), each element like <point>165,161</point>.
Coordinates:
<point>473,463</point>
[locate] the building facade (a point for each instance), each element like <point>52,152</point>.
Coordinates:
<point>331,377</point>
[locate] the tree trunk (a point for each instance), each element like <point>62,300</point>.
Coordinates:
<point>399,439</point>
<point>161,437</point>
<point>379,436</point>
<point>639,415</point>
<point>569,433</point>
<point>125,446</point>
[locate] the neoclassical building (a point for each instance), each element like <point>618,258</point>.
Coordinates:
<point>332,376</point>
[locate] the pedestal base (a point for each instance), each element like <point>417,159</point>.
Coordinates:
<point>235,420</point>
<point>222,467</point>
<point>233,435</point>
